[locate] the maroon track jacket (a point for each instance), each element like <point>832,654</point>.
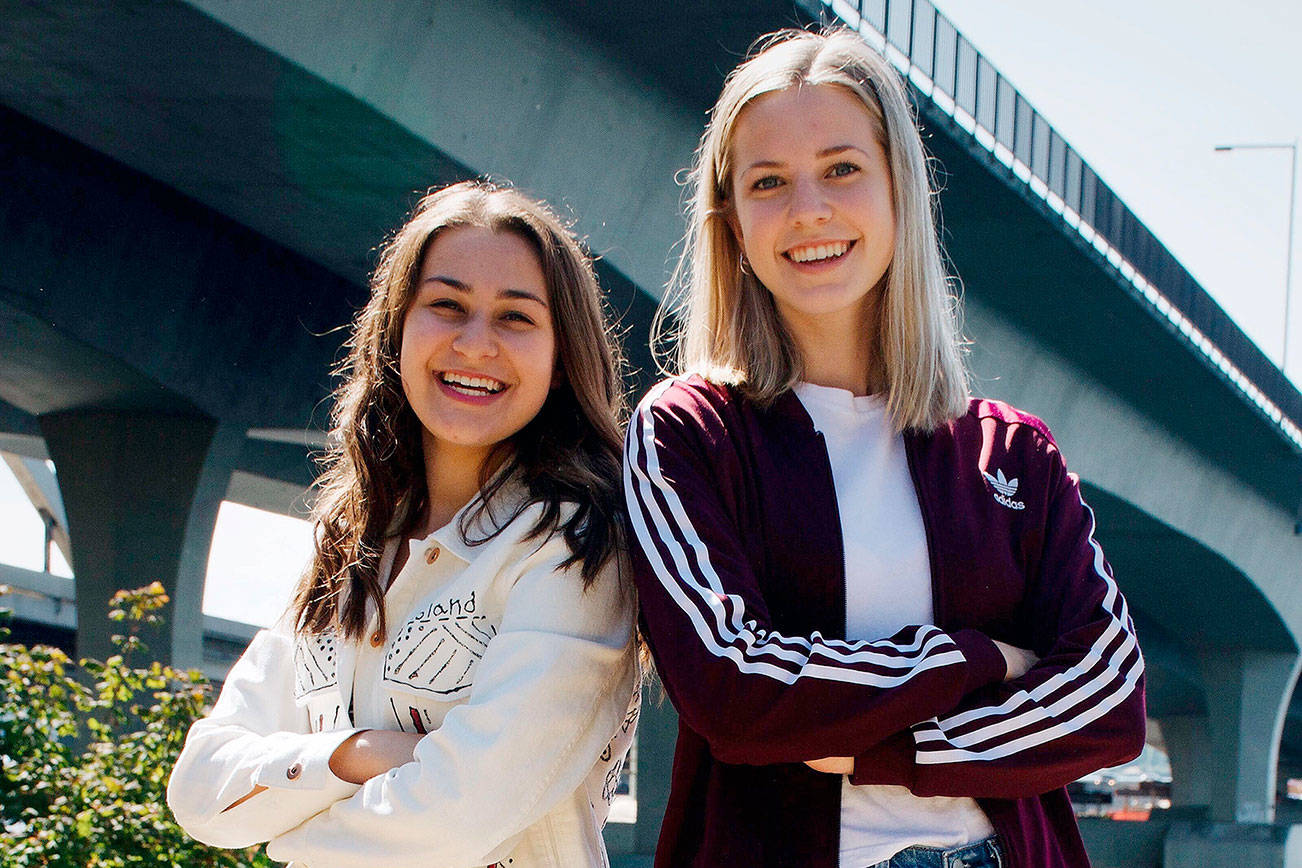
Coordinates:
<point>741,575</point>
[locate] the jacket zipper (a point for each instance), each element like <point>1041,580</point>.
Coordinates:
<point>840,534</point>
<point>937,596</point>
<point>942,621</point>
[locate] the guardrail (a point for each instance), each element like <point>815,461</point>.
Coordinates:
<point>50,600</point>
<point>948,69</point>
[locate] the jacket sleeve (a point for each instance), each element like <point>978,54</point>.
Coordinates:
<point>1079,709</point>
<point>756,695</point>
<point>551,690</point>
<point>255,735</point>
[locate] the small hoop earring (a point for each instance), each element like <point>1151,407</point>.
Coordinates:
<point>743,264</point>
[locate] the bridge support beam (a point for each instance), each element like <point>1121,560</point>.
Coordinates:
<point>129,480</point>
<point>1247,696</point>
<point>192,571</point>
<point>657,733</point>
<point>1189,749</point>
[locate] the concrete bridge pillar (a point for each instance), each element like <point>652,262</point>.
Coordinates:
<point>192,570</point>
<point>130,481</point>
<point>657,732</point>
<point>1247,696</point>
<point>1189,749</point>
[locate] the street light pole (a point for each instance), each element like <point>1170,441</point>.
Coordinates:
<point>1291,147</point>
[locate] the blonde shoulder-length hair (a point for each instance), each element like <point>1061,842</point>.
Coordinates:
<point>722,319</point>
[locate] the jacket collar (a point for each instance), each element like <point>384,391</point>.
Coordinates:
<point>788,409</point>
<point>479,524</point>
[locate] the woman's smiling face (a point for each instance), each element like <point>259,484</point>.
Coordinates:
<point>812,203</point>
<point>478,355</point>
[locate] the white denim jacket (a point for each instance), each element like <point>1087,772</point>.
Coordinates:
<point>525,683</point>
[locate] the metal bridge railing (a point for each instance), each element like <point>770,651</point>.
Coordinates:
<point>944,66</point>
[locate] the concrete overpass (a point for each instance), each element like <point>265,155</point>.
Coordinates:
<point>194,192</point>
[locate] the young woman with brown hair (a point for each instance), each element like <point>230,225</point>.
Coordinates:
<point>454,684</point>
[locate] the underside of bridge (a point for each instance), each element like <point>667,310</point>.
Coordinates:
<point>194,194</point>
<point>1221,661</point>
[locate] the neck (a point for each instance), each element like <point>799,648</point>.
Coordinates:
<point>838,352</point>
<point>451,480</point>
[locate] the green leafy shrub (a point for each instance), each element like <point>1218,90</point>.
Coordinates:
<point>86,750</point>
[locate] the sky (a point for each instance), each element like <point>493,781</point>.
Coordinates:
<point>1143,90</point>
<point>22,533</point>
<point>256,556</point>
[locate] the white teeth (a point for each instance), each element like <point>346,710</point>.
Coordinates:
<point>472,385</point>
<point>818,252</point>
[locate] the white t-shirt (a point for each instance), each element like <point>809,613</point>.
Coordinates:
<point>887,587</point>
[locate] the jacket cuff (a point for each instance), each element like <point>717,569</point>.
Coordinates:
<point>985,663</point>
<point>303,763</point>
<point>888,762</point>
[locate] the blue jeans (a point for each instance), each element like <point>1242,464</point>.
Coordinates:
<point>982,854</point>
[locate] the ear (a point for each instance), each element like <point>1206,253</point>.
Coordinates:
<point>730,217</point>
<point>734,224</point>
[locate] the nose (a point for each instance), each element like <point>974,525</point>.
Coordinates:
<point>809,204</point>
<point>475,339</point>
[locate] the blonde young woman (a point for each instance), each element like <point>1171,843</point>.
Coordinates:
<point>877,604</point>
<point>455,682</point>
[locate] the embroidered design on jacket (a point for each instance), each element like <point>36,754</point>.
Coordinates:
<point>314,663</point>
<point>618,747</point>
<point>416,718</point>
<point>316,675</point>
<point>1004,489</point>
<point>437,649</point>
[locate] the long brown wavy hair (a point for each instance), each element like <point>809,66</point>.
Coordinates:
<point>373,482</point>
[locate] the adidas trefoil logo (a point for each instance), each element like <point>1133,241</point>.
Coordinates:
<point>1004,489</point>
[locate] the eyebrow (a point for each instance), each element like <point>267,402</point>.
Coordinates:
<point>826,152</point>
<point>462,286</point>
